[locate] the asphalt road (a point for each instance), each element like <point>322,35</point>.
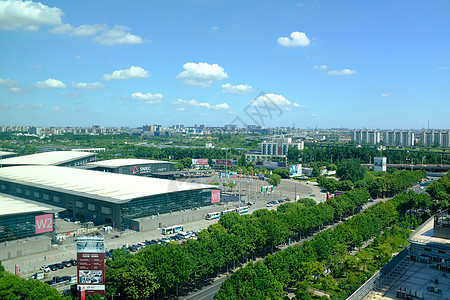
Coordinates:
<point>206,293</point>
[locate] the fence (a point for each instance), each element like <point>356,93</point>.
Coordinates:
<point>377,281</point>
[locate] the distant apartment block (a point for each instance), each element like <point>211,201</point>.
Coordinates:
<point>403,138</point>
<point>439,138</point>
<point>278,146</point>
<point>370,137</point>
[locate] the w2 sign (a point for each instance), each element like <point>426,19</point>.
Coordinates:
<point>215,196</point>
<point>44,223</point>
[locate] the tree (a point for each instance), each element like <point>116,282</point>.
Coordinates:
<point>284,173</point>
<point>275,179</point>
<point>350,169</point>
<point>255,281</point>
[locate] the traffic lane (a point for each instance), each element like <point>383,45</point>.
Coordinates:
<point>31,263</point>
<point>207,292</point>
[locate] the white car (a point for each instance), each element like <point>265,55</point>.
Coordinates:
<point>45,268</point>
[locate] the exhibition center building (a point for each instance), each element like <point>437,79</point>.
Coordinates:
<point>132,166</point>
<point>103,197</point>
<point>53,158</point>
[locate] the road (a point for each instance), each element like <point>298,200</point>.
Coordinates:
<point>208,292</point>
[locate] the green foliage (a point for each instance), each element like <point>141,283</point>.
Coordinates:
<point>351,169</point>
<point>252,282</point>
<point>275,179</point>
<point>14,287</point>
<point>284,173</point>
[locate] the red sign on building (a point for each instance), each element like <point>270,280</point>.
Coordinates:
<point>44,223</point>
<point>215,196</point>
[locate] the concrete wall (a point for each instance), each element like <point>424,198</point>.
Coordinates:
<point>165,220</point>
<point>18,248</point>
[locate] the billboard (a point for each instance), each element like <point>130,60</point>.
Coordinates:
<point>223,162</point>
<point>295,170</point>
<point>200,161</point>
<point>270,164</point>
<point>215,196</point>
<point>43,223</point>
<point>91,264</point>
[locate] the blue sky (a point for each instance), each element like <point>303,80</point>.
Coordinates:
<point>354,64</point>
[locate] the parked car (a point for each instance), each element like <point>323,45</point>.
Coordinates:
<point>66,264</point>
<point>66,278</point>
<point>53,267</point>
<point>60,266</point>
<point>57,279</point>
<point>73,262</point>
<point>50,282</point>
<point>45,268</point>
<point>269,204</point>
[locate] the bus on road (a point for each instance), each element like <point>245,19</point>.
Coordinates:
<point>212,215</point>
<point>228,211</point>
<point>242,210</point>
<point>172,229</point>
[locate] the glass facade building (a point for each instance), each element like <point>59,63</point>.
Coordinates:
<point>19,226</point>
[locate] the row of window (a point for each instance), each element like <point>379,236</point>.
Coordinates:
<point>57,199</point>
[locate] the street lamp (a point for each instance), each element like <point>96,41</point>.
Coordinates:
<point>240,177</point>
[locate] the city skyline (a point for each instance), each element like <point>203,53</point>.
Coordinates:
<point>309,63</point>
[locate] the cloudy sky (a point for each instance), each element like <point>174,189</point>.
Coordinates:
<point>354,64</point>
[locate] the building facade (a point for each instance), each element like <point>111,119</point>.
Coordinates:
<point>102,197</point>
<point>368,137</point>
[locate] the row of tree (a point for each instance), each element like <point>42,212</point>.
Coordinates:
<point>376,183</point>
<point>234,240</point>
<point>334,154</point>
<point>324,254</point>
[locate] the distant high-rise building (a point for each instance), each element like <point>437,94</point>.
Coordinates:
<point>403,138</point>
<point>435,138</point>
<point>371,137</point>
<point>279,146</point>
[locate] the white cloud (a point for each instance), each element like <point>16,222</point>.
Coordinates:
<point>342,72</point>
<point>148,98</point>
<point>196,104</point>
<point>49,84</point>
<point>236,89</point>
<point>29,106</point>
<point>118,35</point>
<point>62,29</point>
<point>16,90</point>
<point>86,29</point>
<point>57,108</point>
<point>131,73</point>
<point>5,106</point>
<point>297,39</point>
<point>71,95</point>
<point>201,74</point>
<point>77,57</point>
<point>13,86</point>
<point>38,66</point>
<point>321,68</point>
<point>9,82</point>
<point>88,86</point>
<point>82,30</point>
<point>271,100</point>
<point>314,115</point>
<point>28,15</point>
<point>215,28</point>
<point>384,95</point>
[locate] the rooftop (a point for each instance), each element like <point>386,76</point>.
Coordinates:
<point>113,163</point>
<point>424,235</point>
<point>46,158</point>
<point>14,205</point>
<point>111,187</point>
